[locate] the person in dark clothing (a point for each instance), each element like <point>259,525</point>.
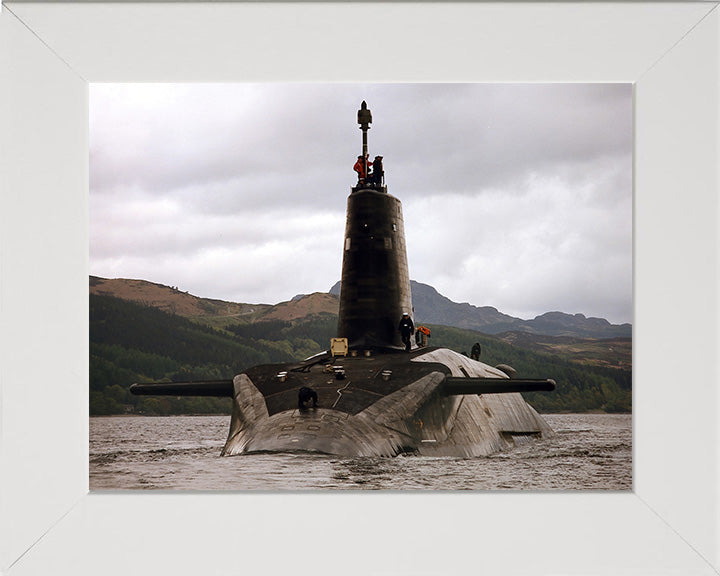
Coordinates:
<point>475,352</point>
<point>377,171</point>
<point>305,394</point>
<point>406,329</point>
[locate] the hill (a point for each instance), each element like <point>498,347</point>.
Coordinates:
<point>216,313</point>
<point>573,337</point>
<point>136,342</point>
<point>171,300</point>
<point>302,306</point>
<point>430,307</point>
<point>609,352</point>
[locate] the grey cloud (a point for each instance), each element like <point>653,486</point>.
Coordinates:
<point>187,173</point>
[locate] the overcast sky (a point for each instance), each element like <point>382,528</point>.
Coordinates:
<point>517,196</point>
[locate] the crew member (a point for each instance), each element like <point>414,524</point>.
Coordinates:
<point>475,352</point>
<point>406,328</point>
<point>305,394</point>
<point>377,171</point>
<point>424,333</point>
<point>360,168</point>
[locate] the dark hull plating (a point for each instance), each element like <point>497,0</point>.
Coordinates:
<point>368,414</point>
<point>375,286</point>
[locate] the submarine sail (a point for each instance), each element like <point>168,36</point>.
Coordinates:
<point>375,284</point>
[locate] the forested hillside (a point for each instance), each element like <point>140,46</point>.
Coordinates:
<point>131,342</point>
<point>580,388</point>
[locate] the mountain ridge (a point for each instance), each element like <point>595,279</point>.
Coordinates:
<point>430,307</point>
<point>433,308</point>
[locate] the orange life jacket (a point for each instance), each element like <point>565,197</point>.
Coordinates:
<point>360,168</point>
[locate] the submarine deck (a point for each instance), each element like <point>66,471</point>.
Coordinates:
<point>363,383</point>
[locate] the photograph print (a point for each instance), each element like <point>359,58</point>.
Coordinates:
<point>361,286</point>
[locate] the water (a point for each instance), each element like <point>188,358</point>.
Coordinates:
<point>589,452</point>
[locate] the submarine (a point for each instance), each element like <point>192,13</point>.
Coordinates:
<point>374,392</point>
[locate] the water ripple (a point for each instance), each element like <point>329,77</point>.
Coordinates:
<point>588,452</point>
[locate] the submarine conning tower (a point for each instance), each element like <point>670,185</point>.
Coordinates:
<point>375,283</point>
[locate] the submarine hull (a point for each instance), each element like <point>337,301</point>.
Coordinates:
<point>354,418</point>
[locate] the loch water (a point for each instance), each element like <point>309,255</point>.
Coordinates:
<point>588,452</point>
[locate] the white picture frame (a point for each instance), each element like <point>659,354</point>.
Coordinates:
<point>49,523</point>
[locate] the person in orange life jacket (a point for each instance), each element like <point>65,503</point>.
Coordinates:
<point>406,328</point>
<point>360,168</point>
<point>421,335</point>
